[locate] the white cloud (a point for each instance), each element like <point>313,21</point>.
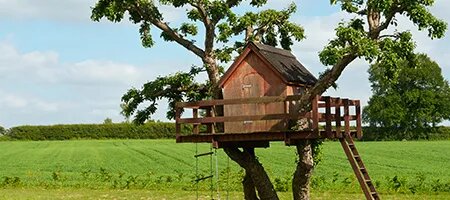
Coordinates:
<point>37,88</point>
<point>45,67</point>
<point>67,10</point>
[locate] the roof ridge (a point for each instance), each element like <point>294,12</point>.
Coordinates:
<point>272,49</point>
<point>275,52</point>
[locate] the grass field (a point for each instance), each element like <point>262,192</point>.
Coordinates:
<point>396,167</point>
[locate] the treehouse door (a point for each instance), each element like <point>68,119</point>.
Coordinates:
<point>247,85</point>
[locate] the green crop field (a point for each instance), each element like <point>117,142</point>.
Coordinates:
<point>408,168</point>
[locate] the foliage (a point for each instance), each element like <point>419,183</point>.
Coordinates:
<point>390,133</point>
<point>167,166</point>
<point>364,36</point>
<point>150,130</point>
<point>107,121</point>
<point>175,88</point>
<point>225,32</point>
<point>2,130</point>
<point>418,97</point>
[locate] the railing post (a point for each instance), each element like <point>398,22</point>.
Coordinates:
<point>177,121</point>
<point>315,114</point>
<point>210,113</point>
<point>195,115</point>
<point>346,117</point>
<point>358,119</point>
<point>328,125</point>
<point>337,112</point>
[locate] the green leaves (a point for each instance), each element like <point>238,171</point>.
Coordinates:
<point>350,39</point>
<point>175,88</point>
<point>416,99</point>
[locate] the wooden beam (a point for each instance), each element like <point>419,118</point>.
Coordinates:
<point>358,120</point>
<point>346,116</point>
<point>328,117</point>
<point>337,117</point>
<point>315,114</point>
<point>206,120</point>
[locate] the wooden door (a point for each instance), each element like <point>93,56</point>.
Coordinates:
<point>253,85</point>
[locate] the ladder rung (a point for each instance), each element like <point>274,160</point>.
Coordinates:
<point>369,182</point>
<point>363,170</point>
<point>357,157</point>
<point>203,178</point>
<point>203,154</point>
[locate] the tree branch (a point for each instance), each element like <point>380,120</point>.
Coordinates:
<point>394,10</point>
<point>173,34</point>
<point>178,38</point>
<point>209,26</point>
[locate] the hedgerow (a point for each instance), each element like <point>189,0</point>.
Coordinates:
<point>150,130</point>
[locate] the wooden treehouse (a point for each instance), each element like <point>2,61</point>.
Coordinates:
<point>262,89</point>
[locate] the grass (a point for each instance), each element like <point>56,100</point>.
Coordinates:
<point>45,194</point>
<point>79,165</point>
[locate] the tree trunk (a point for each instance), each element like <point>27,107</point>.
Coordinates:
<point>303,173</point>
<point>247,182</point>
<point>255,170</point>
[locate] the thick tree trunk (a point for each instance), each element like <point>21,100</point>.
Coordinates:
<point>255,170</point>
<point>247,182</point>
<point>255,175</point>
<point>303,173</point>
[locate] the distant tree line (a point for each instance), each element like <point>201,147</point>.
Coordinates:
<point>409,99</point>
<point>150,130</point>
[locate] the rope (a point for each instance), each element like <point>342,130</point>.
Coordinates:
<point>228,177</point>
<point>211,187</point>
<point>217,174</point>
<point>196,169</point>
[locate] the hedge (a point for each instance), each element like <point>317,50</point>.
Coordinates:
<point>386,134</point>
<point>151,130</point>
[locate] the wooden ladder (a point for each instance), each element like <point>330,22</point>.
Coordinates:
<point>358,167</point>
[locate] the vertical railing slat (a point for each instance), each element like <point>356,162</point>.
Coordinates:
<point>195,115</point>
<point>315,114</point>
<point>358,119</point>
<point>346,116</point>
<point>177,123</point>
<point>328,125</point>
<point>337,112</point>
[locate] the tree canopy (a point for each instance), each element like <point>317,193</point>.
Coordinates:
<point>417,96</point>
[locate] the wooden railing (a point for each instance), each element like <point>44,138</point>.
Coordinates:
<point>325,117</point>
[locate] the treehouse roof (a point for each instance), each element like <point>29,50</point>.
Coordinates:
<point>281,61</point>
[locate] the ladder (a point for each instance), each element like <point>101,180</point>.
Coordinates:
<point>358,167</point>
<point>210,176</point>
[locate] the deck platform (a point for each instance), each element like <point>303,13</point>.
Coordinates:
<point>328,118</point>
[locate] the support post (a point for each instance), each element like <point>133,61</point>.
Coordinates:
<point>177,123</point>
<point>338,118</point>
<point>195,115</point>
<point>328,125</point>
<point>358,119</point>
<point>315,114</point>
<point>346,116</point>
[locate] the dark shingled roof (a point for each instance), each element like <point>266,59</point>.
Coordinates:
<point>286,64</point>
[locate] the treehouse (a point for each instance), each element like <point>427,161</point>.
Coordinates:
<point>262,90</point>
<point>262,71</point>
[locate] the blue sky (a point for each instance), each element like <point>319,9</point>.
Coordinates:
<point>57,66</point>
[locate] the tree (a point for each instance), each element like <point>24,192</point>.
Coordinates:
<point>360,37</point>
<point>220,25</point>
<point>108,121</point>
<point>416,97</point>
<point>365,36</point>
<point>2,130</point>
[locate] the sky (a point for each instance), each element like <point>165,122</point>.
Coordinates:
<point>59,67</point>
